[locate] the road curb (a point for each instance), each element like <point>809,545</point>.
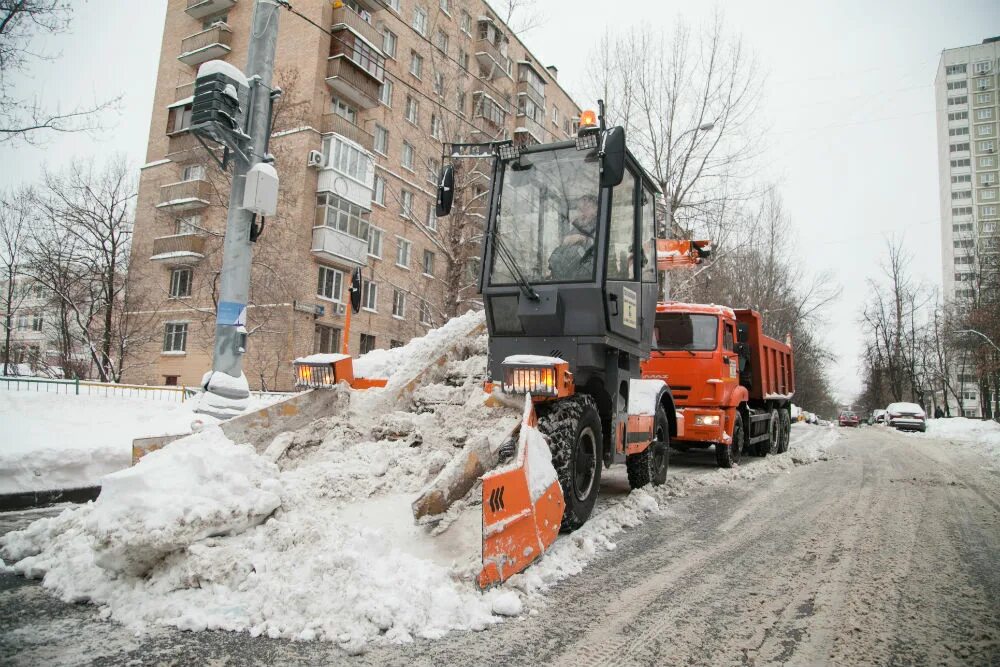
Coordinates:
<point>12,502</point>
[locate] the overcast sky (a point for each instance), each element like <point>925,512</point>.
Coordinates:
<point>849,102</point>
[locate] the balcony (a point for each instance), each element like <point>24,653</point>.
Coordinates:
<point>179,249</point>
<point>345,16</point>
<point>371,5</point>
<point>211,44</point>
<point>335,123</point>
<point>184,92</point>
<point>351,82</point>
<point>199,9</point>
<point>525,88</point>
<point>530,127</point>
<point>185,196</point>
<point>490,58</point>
<point>334,245</point>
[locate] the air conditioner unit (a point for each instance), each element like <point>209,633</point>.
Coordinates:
<point>315,159</point>
<point>339,309</point>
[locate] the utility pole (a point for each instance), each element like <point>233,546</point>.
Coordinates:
<point>226,389</point>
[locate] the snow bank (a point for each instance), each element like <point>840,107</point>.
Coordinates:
<point>981,436</point>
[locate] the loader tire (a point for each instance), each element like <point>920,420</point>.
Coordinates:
<point>785,421</point>
<point>573,428</point>
<point>650,465</point>
<point>726,456</point>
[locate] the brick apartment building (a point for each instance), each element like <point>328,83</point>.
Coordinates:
<point>358,140</point>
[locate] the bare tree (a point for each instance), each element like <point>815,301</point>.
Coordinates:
<point>521,16</point>
<point>28,119</point>
<point>14,217</point>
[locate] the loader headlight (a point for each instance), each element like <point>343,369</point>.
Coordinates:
<point>534,380</point>
<point>706,420</point>
<point>314,375</point>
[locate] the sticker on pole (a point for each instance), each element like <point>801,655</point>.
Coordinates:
<point>232,314</point>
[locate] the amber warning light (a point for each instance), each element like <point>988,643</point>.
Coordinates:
<point>588,120</point>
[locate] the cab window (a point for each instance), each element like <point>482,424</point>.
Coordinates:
<point>728,338</point>
<point>686,331</point>
<point>648,260</point>
<point>621,237</point>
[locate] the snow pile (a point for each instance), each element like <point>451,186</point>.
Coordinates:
<point>982,436</point>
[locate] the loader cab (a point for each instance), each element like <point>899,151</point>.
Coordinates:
<point>569,259</point>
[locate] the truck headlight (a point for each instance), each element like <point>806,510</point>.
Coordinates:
<point>706,420</point>
<point>524,380</point>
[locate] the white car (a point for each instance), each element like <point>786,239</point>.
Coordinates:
<point>906,417</point>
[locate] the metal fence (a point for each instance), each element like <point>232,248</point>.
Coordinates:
<point>89,388</point>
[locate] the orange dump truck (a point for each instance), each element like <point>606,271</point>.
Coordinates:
<point>733,384</point>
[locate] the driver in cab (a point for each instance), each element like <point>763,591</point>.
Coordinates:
<point>573,258</point>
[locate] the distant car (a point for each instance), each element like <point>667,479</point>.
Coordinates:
<point>848,418</point>
<point>907,417</point>
<point>878,417</point>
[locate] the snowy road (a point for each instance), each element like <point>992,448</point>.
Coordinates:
<point>885,554</point>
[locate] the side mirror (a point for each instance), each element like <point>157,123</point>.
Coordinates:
<point>356,290</point>
<point>446,191</point>
<point>613,167</point>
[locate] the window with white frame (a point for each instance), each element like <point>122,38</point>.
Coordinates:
<point>433,170</point>
<point>193,172</point>
<point>962,162</point>
<point>403,252</point>
<point>987,146</point>
<point>962,227</point>
<point>375,242</point>
<point>465,22</point>
<point>958,131</point>
<point>406,204</point>
<point>987,211</point>
<point>989,227</point>
<point>22,321</point>
<point>986,130</point>
<point>988,195</point>
<point>367,343</point>
<point>962,178</point>
<point>984,98</point>
<point>963,194</point>
<point>961,99</point>
<point>389,42</point>
<point>416,64</point>
<point>445,6</point>
<point>341,214</point>
<point>180,283</point>
<point>954,69</point>
<point>958,115</point>
<point>958,148</point>
<point>385,93</point>
<point>398,303</point>
<point>983,67</point>
<point>989,178</point>
<point>441,41</point>
<point>330,284</point>
<point>984,114</point>
<point>179,119</point>
<point>437,127</point>
<point>393,5</point>
<point>369,296</point>
<point>412,111</point>
<point>347,159</point>
<point>175,337</point>
<point>420,20</point>
<point>407,156</point>
<point>460,102</point>
<point>378,195</point>
<point>187,224</point>
<point>344,110</point>
<point>957,85</point>
<point>425,313</point>
<point>428,263</point>
<point>961,210</point>
<point>432,221</point>
<point>381,143</point>
<point>987,161</point>
<point>439,84</point>
<point>37,322</point>
<point>983,84</point>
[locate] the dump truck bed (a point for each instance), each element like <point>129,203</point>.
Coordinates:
<point>772,367</point>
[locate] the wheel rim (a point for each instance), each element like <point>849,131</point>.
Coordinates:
<point>586,464</point>
<point>775,441</point>
<point>659,454</point>
<point>736,446</point>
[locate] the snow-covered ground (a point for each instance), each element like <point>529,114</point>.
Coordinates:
<point>59,441</point>
<point>982,436</point>
<point>321,543</point>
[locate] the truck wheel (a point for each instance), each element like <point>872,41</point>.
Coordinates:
<point>729,455</point>
<point>786,430</point>
<point>770,446</point>
<point>650,465</point>
<point>573,427</point>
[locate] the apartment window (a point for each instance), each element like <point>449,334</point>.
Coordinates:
<point>194,172</point>
<point>340,214</point>
<point>416,64</point>
<point>463,59</point>
<point>437,127</point>
<point>36,322</point>
<point>375,242</point>
<point>964,260</point>
<point>22,322</point>
<point>983,67</point>
<point>958,148</point>
<point>444,4</point>
<point>984,114</point>
<point>958,115</point>
<point>983,84</point>
<point>984,98</point>
<point>369,296</point>
<point>346,159</point>
<point>962,210</point>
<point>958,131</point>
<point>465,23</point>
<point>330,284</point>
<point>344,110</point>
<point>986,146</point>
<point>441,41</point>
<point>433,170</point>
<point>407,160</point>
<point>961,277</point>
<point>957,85</point>
<point>385,93</point>
<point>487,108</point>
<point>389,42</point>
<point>210,21</point>
<point>555,116</point>
<point>989,227</point>
<point>367,343</point>
<point>403,252</point>
<point>963,227</point>
<point>180,283</point>
<point>432,221</point>
<point>987,162</point>
<point>425,312</point>
<point>394,5</point>
<point>428,263</point>
<point>961,99</point>
<point>381,143</point>
<point>439,84</point>
<point>962,243</point>
<point>378,194</point>
<point>420,20</point>
<point>361,53</point>
<point>988,195</point>
<point>987,211</point>
<point>189,224</point>
<point>987,179</point>
<point>175,337</point>
<point>460,103</point>
<point>954,69</point>
<point>962,178</point>
<point>412,111</point>
<point>179,119</point>
<point>984,130</point>
<point>406,204</point>
<point>963,194</point>
<point>326,340</point>
<point>398,303</point>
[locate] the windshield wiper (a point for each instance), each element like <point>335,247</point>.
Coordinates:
<point>505,255</point>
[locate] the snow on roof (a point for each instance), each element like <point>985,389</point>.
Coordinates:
<point>181,103</point>
<point>321,359</point>
<point>177,254</point>
<point>222,67</point>
<point>532,360</point>
<point>703,308</point>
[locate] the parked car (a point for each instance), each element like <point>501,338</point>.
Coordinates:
<point>878,417</point>
<point>907,417</point>
<point>848,418</point>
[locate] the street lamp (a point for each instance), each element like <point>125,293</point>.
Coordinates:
<point>980,334</point>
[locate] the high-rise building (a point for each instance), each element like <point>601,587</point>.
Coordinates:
<point>370,100</point>
<point>967,112</point>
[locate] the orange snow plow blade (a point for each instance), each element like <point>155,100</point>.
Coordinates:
<point>522,506</point>
<point>675,253</point>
